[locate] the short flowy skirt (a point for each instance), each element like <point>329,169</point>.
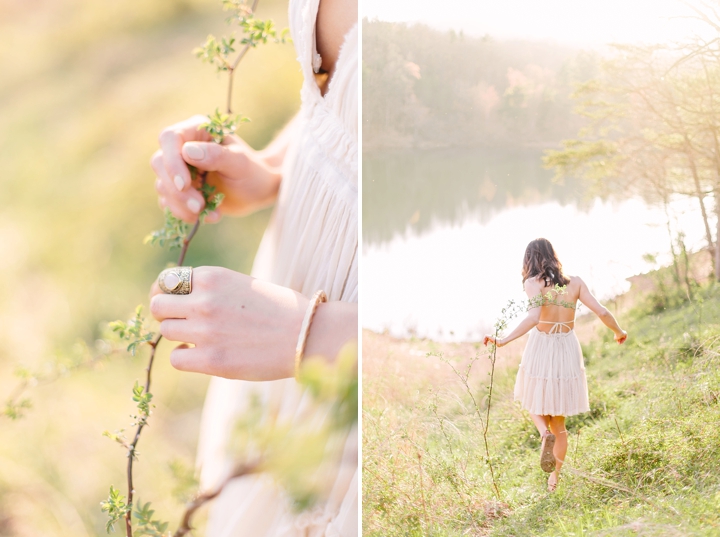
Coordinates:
<point>551,380</point>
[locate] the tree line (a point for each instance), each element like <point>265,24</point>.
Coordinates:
<point>428,88</point>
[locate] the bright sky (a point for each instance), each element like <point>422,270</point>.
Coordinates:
<point>580,22</point>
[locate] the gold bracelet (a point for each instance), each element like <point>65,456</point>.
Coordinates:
<point>317,298</point>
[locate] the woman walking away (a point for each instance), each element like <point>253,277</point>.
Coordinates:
<point>551,382</point>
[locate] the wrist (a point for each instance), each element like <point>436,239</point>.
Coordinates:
<point>335,324</point>
<point>311,310</point>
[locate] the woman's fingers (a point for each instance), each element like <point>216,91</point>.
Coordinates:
<point>177,330</point>
<point>171,142</point>
<point>185,358</point>
<point>164,306</point>
<point>229,160</point>
<point>186,204</point>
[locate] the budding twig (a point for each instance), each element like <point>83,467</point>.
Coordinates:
<point>192,506</point>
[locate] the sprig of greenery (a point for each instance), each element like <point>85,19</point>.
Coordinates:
<point>216,52</point>
<point>116,507</point>
<point>143,400</point>
<point>146,524</point>
<point>220,125</point>
<point>259,32</point>
<point>16,409</point>
<point>186,483</point>
<point>132,330</point>
<point>172,234</point>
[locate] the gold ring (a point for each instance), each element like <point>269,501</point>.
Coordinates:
<point>176,281</point>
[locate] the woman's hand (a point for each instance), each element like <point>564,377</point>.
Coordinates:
<point>491,339</point>
<point>241,327</point>
<point>621,337</point>
<point>246,178</point>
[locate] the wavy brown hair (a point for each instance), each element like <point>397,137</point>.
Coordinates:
<point>541,260</point>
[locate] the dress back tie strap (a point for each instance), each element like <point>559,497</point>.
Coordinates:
<point>556,327</point>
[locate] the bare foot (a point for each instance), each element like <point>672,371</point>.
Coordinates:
<point>552,481</point>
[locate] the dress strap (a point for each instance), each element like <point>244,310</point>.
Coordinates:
<point>556,326</point>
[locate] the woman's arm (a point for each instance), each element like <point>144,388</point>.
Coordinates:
<point>244,328</point>
<point>532,289</point>
<point>608,319</point>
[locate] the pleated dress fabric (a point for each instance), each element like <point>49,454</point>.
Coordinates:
<point>310,244</point>
<point>551,380</point>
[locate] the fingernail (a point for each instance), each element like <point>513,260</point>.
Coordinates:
<point>179,182</point>
<point>193,205</point>
<point>195,152</point>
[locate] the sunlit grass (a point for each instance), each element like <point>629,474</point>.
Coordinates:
<point>642,461</point>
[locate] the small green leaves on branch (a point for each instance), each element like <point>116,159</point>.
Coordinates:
<point>146,524</point>
<point>259,32</point>
<point>186,483</point>
<point>143,399</point>
<point>173,234</point>
<point>16,409</point>
<point>116,508</point>
<point>212,199</point>
<point>117,436</point>
<point>132,330</point>
<point>216,52</point>
<point>220,125</point>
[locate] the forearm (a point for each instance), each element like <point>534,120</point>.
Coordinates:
<point>334,325</point>
<point>609,320</point>
<point>527,324</point>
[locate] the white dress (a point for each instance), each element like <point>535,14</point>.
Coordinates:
<point>551,380</point>
<point>310,244</point>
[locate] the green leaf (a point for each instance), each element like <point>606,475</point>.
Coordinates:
<point>116,508</point>
<point>172,234</point>
<point>146,524</point>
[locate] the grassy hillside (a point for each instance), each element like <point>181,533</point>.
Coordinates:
<point>643,461</point>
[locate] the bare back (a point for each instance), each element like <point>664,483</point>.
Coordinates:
<point>560,315</point>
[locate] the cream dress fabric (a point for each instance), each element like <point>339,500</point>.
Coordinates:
<point>551,380</point>
<point>311,243</point>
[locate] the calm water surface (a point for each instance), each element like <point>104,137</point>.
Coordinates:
<point>444,233</point>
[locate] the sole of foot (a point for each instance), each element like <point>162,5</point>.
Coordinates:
<point>547,459</point>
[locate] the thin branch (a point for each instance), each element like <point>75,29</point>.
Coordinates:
<point>148,378</point>
<point>238,59</point>
<point>493,355</point>
<point>190,509</point>
<point>141,424</point>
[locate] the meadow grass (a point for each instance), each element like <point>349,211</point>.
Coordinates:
<point>644,461</point>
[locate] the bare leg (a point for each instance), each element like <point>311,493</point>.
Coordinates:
<point>541,422</point>
<point>557,426</point>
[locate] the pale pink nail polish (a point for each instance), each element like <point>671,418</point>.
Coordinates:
<point>193,205</point>
<point>195,152</point>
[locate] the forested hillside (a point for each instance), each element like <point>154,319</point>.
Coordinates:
<point>427,88</point>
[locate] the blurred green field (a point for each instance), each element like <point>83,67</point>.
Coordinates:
<point>85,88</point>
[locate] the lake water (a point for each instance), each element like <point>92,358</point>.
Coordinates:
<point>444,233</point>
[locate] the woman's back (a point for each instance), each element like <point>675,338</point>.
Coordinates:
<point>557,312</point>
